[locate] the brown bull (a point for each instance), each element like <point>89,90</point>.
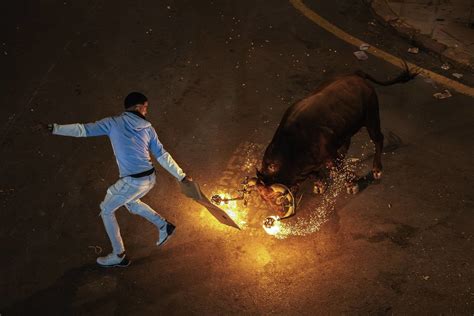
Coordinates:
<point>316,132</point>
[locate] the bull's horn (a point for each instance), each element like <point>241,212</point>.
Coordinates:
<point>288,195</point>
<point>252,182</point>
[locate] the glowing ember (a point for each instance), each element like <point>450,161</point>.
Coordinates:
<point>272,225</point>
<point>239,215</point>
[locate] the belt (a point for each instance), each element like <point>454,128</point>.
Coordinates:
<point>143,174</point>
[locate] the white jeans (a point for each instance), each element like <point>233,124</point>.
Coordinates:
<point>127,192</point>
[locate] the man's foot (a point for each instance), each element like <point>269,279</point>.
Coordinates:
<point>165,233</point>
<point>114,260</point>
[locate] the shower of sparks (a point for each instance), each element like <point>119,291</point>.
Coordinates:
<point>318,216</point>
<point>299,226</point>
<point>251,154</point>
<point>238,214</point>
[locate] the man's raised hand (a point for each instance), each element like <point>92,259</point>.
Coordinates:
<point>43,128</point>
<point>187,179</point>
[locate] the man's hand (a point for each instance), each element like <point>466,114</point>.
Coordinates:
<point>43,128</point>
<point>187,179</point>
<point>191,189</point>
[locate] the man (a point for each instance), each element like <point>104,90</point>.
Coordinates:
<point>133,138</point>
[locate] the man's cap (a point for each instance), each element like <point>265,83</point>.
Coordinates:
<point>134,98</point>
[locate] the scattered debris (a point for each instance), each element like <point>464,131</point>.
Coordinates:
<point>361,55</point>
<point>457,75</point>
<point>364,46</point>
<point>97,249</point>
<point>445,66</point>
<point>443,95</point>
<point>414,50</point>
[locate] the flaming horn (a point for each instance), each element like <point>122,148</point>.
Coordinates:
<point>284,198</point>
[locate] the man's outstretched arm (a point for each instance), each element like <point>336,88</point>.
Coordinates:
<point>99,128</point>
<point>74,130</point>
<point>168,163</point>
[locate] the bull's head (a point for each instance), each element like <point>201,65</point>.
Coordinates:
<point>276,195</point>
<point>282,161</point>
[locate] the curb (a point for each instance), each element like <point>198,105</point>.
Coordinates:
<point>384,14</point>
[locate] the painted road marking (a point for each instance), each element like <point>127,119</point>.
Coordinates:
<point>398,62</point>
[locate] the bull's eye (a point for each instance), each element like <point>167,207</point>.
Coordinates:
<point>272,168</point>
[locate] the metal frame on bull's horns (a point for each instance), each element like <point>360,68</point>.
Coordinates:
<point>285,193</point>
<point>250,184</point>
<point>288,195</point>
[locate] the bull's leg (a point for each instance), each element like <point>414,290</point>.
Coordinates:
<point>337,165</point>
<point>342,152</point>
<point>352,186</point>
<point>319,186</point>
<point>373,128</point>
<point>320,182</point>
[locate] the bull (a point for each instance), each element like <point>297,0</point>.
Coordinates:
<point>315,134</point>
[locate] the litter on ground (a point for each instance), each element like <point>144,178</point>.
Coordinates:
<point>361,55</point>
<point>443,95</point>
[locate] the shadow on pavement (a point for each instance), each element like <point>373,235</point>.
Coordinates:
<point>57,298</point>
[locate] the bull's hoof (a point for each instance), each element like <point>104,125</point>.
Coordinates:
<point>319,188</point>
<point>377,174</point>
<point>352,189</point>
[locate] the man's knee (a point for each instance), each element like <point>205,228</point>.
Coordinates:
<point>133,207</point>
<point>106,208</point>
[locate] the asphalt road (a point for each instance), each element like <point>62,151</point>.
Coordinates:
<point>219,75</point>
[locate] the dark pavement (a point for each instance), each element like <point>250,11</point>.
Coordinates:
<point>219,75</point>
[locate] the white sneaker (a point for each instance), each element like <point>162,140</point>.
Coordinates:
<point>165,233</point>
<point>113,260</point>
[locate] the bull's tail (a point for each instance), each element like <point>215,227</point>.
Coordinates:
<point>405,76</point>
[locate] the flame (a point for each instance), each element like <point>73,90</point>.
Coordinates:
<point>239,215</point>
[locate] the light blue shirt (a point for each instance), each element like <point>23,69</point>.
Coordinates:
<point>133,139</point>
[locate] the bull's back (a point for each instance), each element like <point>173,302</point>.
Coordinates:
<point>339,105</point>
